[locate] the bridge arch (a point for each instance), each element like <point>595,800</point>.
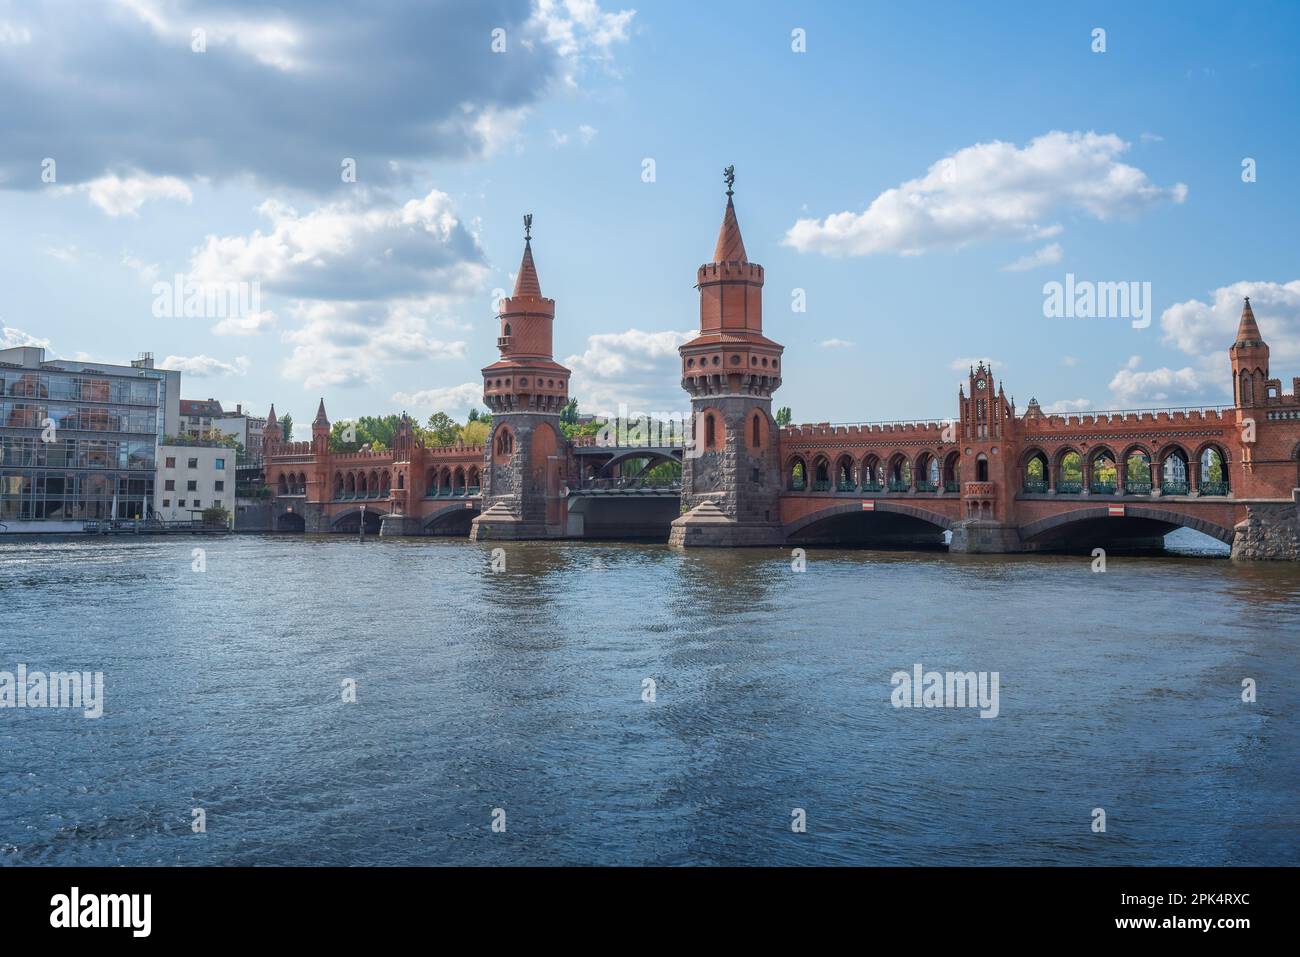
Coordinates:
<point>350,519</point>
<point>909,521</point>
<point>656,457</point>
<point>870,473</point>
<point>796,474</point>
<point>1098,525</point>
<point>452,519</point>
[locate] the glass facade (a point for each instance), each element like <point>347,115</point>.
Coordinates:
<point>77,444</point>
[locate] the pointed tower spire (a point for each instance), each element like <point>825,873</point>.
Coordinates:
<point>270,417</point>
<point>1248,329</point>
<point>271,432</point>
<point>526,283</point>
<point>321,417</point>
<point>730,247</point>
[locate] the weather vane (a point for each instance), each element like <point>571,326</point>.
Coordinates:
<point>528,226</point>
<point>729,174</point>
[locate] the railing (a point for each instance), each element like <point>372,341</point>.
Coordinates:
<point>845,487</point>
<point>1069,488</point>
<point>952,486</point>
<point>1102,488</point>
<point>615,484</point>
<point>898,485</point>
<point>1137,488</point>
<point>796,485</point>
<point>1173,488</point>
<point>872,487</point>
<point>1034,488</point>
<point>924,486</point>
<point>1213,488</point>
<point>822,485</point>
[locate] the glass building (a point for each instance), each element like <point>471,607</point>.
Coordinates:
<point>79,440</point>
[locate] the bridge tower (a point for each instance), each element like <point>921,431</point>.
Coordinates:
<point>731,472</point>
<point>987,437</point>
<point>525,456</point>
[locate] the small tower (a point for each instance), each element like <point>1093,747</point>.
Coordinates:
<point>272,434</point>
<point>320,430</point>
<point>1249,355</point>
<point>731,473</point>
<point>526,389</point>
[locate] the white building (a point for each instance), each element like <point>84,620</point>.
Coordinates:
<point>192,478</point>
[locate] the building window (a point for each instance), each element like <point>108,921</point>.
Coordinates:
<point>171,462</point>
<point>181,503</point>
<point>220,486</point>
<point>221,463</point>
<point>194,463</point>
<point>167,503</point>
<point>191,486</point>
<point>169,485</point>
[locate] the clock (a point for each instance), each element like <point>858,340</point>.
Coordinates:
<point>979,384</point>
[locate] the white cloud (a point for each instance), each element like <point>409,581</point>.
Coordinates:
<point>836,344</point>
<point>64,254</point>
<point>455,400</point>
<point>118,196</point>
<point>991,191</point>
<point>1066,406</point>
<point>351,343</point>
<point>14,34</point>
<point>577,28</point>
<point>587,133</point>
<point>633,368</point>
<point>1069,361</point>
<point>1133,386</point>
<point>245,324</point>
<point>11,338</point>
<point>146,271</point>
<point>202,367</point>
<point>1049,255</point>
<point>1203,328</point>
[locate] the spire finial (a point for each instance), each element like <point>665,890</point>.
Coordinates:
<point>729,175</point>
<point>528,227</point>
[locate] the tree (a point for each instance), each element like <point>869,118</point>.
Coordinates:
<point>286,426</point>
<point>216,515</point>
<point>444,429</point>
<point>475,432</point>
<point>783,415</point>
<point>569,414</point>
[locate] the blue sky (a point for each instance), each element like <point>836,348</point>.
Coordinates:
<point>924,147</point>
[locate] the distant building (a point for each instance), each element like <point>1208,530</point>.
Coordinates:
<point>78,439</point>
<point>197,416</point>
<point>192,478</point>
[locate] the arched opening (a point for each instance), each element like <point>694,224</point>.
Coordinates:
<point>372,484</point>
<point>844,478</point>
<point>757,431</point>
<point>444,481</point>
<point>1069,473</point>
<point>952,472</point>
<point>1141,529</point>
<point>927,472</point>
<point>505,442</point>
<point>871,474</point>
<point>290,522</point>
<point>458,481</point>
<point>889,524</point>
<point>1137,472</point>
<point>821,474</point>
<point>385,483</point>
<point>981,468</point>
<point>1036,474</point>
<point>350,490</point>
<point>1103,474</point>
<point>710,431</point>
<point>798,475</point>
<point>473,480</point>
<point>361,485</point>
<point>401,480</point>
<point>1174,473</point>
<point>1212,478</point>
<point>282,485</point>
<point>338,485</point>
<point>900,473</point>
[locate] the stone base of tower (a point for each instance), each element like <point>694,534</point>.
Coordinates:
<point>398,525</point>
<point>501,523</point>
<point>1270,533</point>
<point>707,526</point>
<point>985,538</point>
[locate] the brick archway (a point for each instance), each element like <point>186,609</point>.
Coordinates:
<point>937,519</point>
<point>1167,516</point>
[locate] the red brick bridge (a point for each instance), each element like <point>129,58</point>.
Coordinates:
<point>989,479</point>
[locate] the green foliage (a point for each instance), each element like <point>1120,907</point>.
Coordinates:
<point>784,415</point>
<point>216,515</point>
<point>286,427</point>
<point>475,432</point>
<point>442,429</point>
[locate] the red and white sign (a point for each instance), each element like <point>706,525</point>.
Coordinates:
<point>868,506</point>
<point>1115,511</point>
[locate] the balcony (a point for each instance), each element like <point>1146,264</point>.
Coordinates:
<point>503,342</point>
<point>979,489</point>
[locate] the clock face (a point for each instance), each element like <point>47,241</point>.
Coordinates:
<point>979,384</point>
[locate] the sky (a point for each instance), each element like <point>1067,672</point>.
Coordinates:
<point>912,177</point>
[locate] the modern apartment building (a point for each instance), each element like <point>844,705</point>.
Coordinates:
<point>201,418</point>
<point>192,478</point>
<point>79,440</point>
